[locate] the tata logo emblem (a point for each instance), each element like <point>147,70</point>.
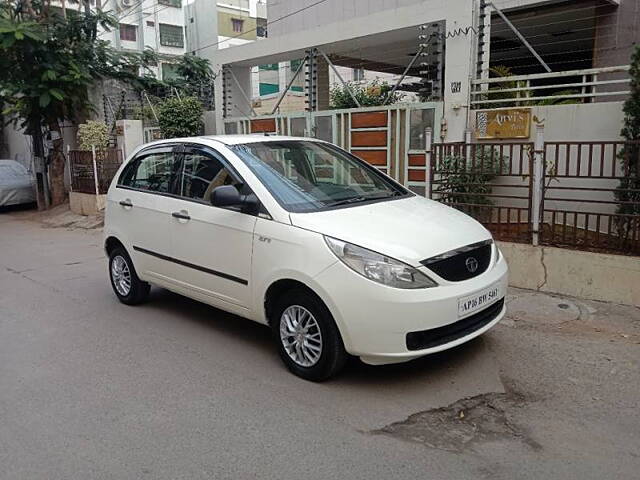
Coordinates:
<point>472,264</point>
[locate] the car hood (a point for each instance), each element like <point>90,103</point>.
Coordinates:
<point>408,229</point>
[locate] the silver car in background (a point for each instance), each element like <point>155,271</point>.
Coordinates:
<point>16,185</point>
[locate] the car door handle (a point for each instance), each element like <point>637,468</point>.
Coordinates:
<point>183,215</point>
<point>126,203</point>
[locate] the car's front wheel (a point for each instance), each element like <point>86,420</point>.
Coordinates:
<point>125,282</point>
<point>308,340</point>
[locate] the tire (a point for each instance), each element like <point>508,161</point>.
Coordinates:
<point>314,317</point>
<point>137,291</point>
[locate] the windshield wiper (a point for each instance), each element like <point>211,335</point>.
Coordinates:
<point>347,201</point>
<point>363,198</point>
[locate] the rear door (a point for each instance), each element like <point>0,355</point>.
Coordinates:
<point>212,245</point>
<point>142,209</point>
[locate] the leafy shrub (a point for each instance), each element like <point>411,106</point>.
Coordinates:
<point>180,117</point>
<point>466,184</point>
<point>628,191</point>
<point>93,134</point>
<point>370,95</point>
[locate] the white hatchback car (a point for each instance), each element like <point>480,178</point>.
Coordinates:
<point>300,235</point>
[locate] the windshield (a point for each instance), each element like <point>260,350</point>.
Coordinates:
<point>309,176</point>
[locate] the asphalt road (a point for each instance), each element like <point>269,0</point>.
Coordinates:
<point>173,389</point>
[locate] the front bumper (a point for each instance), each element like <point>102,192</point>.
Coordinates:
<point>374,320</point>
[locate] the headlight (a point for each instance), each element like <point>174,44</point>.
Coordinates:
<point>378,268</point>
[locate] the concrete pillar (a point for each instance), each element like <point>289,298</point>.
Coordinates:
<point>209,118</point>
<point>129,136</point>
<point>459,57</point>
<point>232,93</point>
<point>238,91</point>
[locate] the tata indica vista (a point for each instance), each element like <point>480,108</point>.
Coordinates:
<point>334,256</point>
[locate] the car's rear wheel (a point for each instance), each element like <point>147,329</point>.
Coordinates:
<point>308,340</point>
<point>125,282</point>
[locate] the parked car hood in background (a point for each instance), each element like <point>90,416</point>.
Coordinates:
<point>407,229</point>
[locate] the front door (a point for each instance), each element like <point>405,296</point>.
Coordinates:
<point>212,246</point>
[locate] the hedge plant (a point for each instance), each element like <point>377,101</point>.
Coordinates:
<point>180,117</point>
<point>93,134</point>
<point>373,94</point>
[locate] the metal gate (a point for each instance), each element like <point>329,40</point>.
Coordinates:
<point>387,137</point>
<point>492,182</point>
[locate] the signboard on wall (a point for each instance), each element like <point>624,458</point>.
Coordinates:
<point>503,123</point>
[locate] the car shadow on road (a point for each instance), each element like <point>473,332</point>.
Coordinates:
<point>251,335</point>
<point>21,207</point>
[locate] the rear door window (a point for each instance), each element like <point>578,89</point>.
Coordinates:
<point>154,172</point>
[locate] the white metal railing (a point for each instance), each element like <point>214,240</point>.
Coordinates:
<point>529,90</point>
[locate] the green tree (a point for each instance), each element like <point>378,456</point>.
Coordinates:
<point>49,59</point>
<point>373,94</point>
<point>628,191</point>
<point>180,117</point>
<point>194,70</point>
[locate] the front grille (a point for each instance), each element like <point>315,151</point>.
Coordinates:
<point>461,264</point>
<point>441,335</point>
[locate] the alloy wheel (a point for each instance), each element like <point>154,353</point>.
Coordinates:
<point>121,275</point>
<point>300,335</point>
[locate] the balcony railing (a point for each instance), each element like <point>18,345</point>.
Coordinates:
<point>573,86</point>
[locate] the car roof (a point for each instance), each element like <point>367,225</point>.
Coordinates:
<point>253,138</point>
<point>234,139</point>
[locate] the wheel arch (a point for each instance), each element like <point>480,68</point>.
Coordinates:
<point>112,242</point>
<point>282,285</point>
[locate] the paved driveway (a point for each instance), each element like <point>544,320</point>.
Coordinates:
<point>174,389</point>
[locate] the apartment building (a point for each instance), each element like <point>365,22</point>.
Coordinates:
<point>440,48</point>
<point>156,24</point>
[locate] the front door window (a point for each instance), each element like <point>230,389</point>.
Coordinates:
<point>200,174</point>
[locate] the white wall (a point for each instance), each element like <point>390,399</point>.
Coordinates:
<point>338,10</point>
<point>18,146</point>
<point>579,122</point>
<point>203,30</point>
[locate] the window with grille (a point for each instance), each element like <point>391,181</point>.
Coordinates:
<point>237,25</point>
<point>171,36</point>
<point>261,27</point>
<point>171,3</point>
<point>128,33</point>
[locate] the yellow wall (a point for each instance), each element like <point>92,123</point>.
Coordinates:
<point>225,27</point>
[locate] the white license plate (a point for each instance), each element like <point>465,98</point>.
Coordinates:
<point>479,300</point>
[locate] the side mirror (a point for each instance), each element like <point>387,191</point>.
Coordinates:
<point>229,196</point>
<point>226,196</point>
